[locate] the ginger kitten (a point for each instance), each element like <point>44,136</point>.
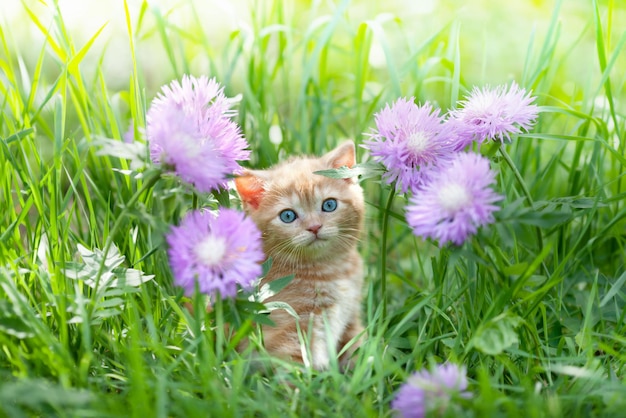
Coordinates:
<point>311,225</point>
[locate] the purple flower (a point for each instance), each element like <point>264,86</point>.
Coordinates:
<point>129,135</point>
<point>190,130</point>
<point>464,136</point>
<point>410,401</point>
<point>177,144</point>
<point>409,140</point>
<point>442,381</point>
<point>430,390</point>
<point>218,252</point>
<point>455,201</point>
<point>497,113</point>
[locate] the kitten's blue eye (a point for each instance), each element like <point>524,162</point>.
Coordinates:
<point>329,205</point>
<point>288,216</point>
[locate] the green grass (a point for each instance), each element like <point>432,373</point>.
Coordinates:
<point>533,305</point>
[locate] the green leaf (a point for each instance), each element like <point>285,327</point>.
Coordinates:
<point>16,327</point>
<point>72,65</point>
<point>12,323</point>
<point>360,171</point>
<point>580,202</point>
<point>615,289</point>
<point>263,319</point>
<point>111,303</point>
<point>135,152</point>
<point>273,287</point>
<point>94,258</point>
<point>277,285</point>
<point>267,265</point>
<point>497,334</point>
<point>272,306</point>
<point>40,395</point>
<point>113,275</point>
<point>19,135</point>
<point>515,269</point>
<point>545,214</point>
<point>129,277</point>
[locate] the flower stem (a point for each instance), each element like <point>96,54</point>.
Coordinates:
<point>383,257</point>
<point>531,203</point>
<point>518,175</point>
<point>218,309</point>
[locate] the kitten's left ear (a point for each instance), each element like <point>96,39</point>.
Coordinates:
<point>343,155</point>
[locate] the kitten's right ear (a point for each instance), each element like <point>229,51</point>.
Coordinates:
<point>250,188</point>
<point>344,155</point>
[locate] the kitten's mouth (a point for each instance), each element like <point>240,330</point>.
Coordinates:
<point>311,242</point>
<point>315,241</point>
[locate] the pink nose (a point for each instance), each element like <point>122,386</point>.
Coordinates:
<point>314,228</point>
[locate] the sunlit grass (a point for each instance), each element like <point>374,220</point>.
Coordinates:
<point>533,305</point>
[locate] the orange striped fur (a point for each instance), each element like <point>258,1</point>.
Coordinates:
<point>319,248</point>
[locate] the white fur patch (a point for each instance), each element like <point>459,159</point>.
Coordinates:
<point>343,297</point>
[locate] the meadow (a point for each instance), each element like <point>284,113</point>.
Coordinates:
<point>532,305</point>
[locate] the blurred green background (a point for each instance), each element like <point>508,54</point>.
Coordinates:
<point>497,39</point>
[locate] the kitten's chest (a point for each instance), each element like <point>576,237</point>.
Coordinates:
<point>340,293</point>
<point>333,283</point>
<point>331,291</point>
<point>338,302</point>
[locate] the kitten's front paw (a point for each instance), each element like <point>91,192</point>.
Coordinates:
<point>351,341</point>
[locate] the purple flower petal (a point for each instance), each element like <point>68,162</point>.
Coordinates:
<point>409,140</point>
<point>428,390</point>
<point>455,202</point>
<point>217,251</point>
<point>409,402</point>
<point>189,129</point>
<point>497,113</point>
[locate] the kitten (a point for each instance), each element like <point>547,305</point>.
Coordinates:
<point>311,225</point>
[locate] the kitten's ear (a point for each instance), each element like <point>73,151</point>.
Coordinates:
<point>250,188</point>
<point>342,156</point>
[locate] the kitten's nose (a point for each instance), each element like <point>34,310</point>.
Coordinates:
<point>314,228</point>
